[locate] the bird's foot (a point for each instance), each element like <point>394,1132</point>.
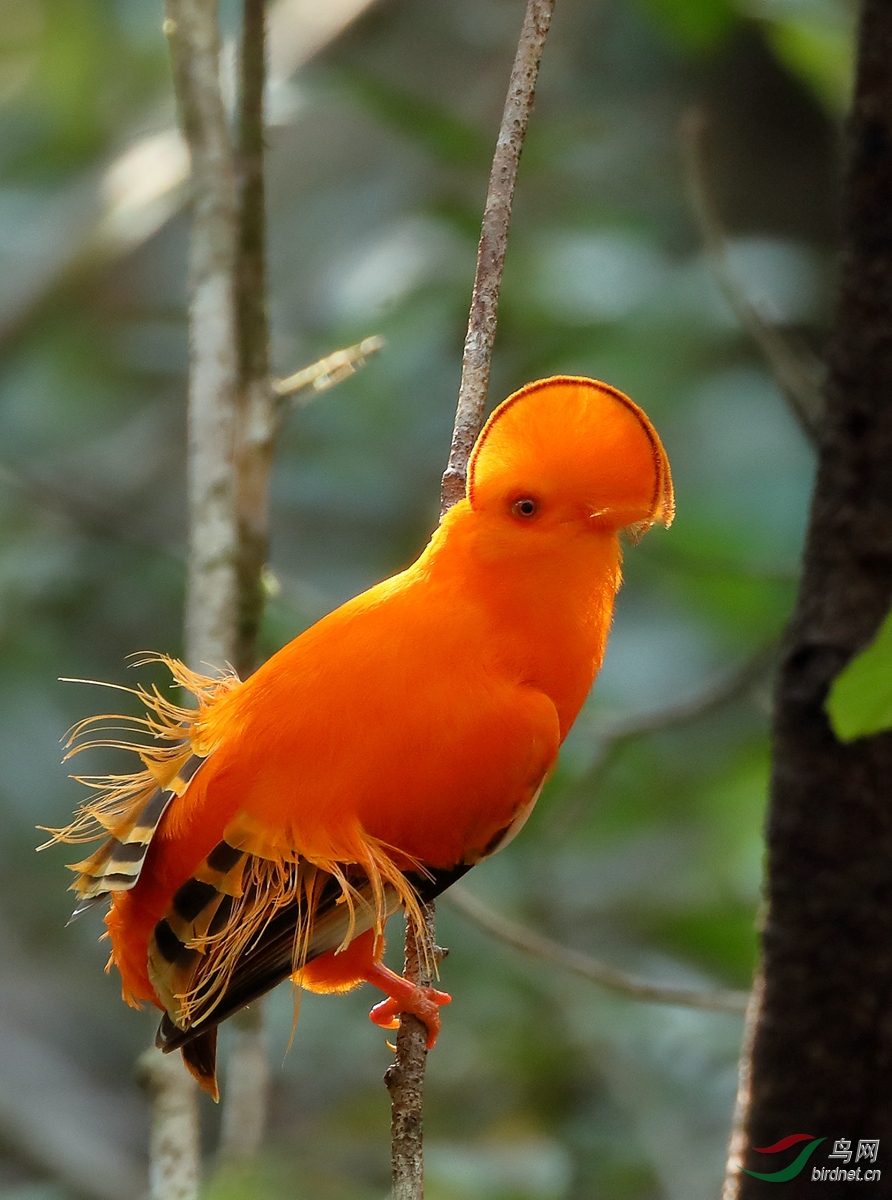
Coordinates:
<point>404,996</point>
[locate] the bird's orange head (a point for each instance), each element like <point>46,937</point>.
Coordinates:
<point>570,449</point>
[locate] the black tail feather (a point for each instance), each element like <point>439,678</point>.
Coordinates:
<point>200,1057</point>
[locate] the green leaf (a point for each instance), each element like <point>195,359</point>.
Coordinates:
<point>860,700</point>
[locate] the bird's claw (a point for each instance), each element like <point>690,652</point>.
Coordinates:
<point>421,1002</point>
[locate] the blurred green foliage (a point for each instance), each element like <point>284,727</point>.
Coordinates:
<point>541,1087</point>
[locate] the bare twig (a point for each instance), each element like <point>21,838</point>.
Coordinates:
<point>126,520</point>
<point>405,1076</point>
<point>321,375</point>
<point>481,333</point>
<point>728,688</point>
<point>797,373</point>
<point>592,969</point>
<point>408,1067</point>
<point>610,740</point>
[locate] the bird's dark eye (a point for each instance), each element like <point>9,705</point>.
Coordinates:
<point>526,506</point>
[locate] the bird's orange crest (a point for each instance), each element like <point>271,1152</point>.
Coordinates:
<point>574,438</point>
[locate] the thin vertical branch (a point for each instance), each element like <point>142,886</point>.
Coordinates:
<point>247,1091</point>
<point>211,585</point>
<point>405,1078</point>
<point>477,356</point>
<point>211,589</point>
<point>257,408</point>
<point>174,1162</point>
<point>246,1094</point>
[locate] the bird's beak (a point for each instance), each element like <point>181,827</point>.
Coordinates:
<point>632,528</point>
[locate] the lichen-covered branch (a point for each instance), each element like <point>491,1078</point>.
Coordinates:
<point>246,1090</point>
<point>481,334</point>
<point>174,1158</point>
<point>247,1074</point>
<point>211,583</point>
<point>211,588</point>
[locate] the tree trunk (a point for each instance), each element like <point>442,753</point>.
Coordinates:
<point>822,1052</point>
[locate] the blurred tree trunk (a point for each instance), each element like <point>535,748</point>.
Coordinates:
<point>821,1059</point>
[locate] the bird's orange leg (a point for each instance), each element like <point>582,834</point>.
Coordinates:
<point>404,996</point>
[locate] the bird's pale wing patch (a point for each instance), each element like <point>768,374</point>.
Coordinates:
<point>130,806</point>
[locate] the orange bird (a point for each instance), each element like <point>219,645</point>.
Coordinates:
<point>371,762</point>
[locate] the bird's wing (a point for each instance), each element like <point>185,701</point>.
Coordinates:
<point>130,807</point>
<point>117,864</point>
